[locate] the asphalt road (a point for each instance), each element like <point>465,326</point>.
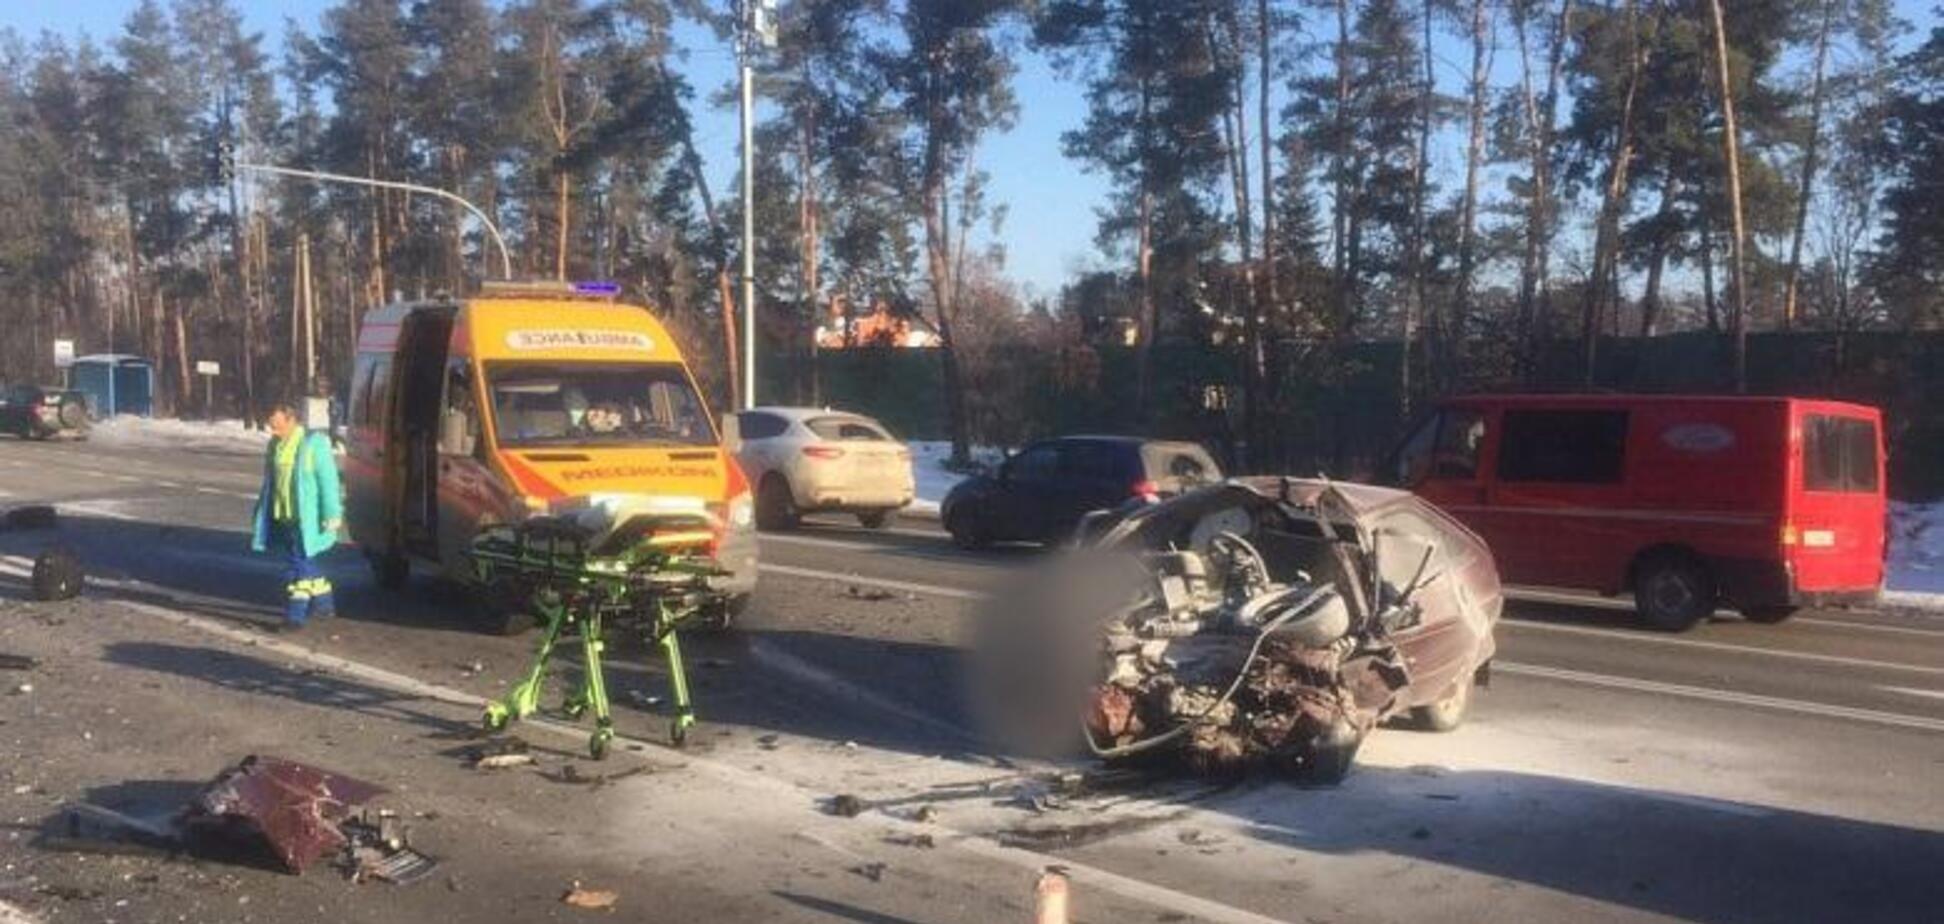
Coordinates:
<point>1737,772</point>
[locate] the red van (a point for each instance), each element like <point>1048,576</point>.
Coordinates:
<point>1768,504</point>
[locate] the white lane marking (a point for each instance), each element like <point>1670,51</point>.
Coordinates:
<point>1913,691</point>
<point>1710,694</point>
<point>205,489</point>
<point>814,542</point>
<point>127,478</point>
<point>170,484</point>
<point>1649,639</point>
<point>1867,626</point>
<point>931,590</point>
<point>1020,858</point>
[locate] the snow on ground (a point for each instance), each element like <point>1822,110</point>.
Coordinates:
<point>228,436</point>
<point>928,459</point>
<point>1916,557</point>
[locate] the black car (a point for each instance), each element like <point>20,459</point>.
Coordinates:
<point>1041,493</point>
<point>42,411</point>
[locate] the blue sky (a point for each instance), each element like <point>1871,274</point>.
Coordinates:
<point>1051,201</point>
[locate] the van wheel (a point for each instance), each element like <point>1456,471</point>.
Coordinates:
<point>1768,615</point>
<point>1448,713</point>
<point>390,570</point>
<point>1673,592</point>
<point>776,509</point>
<point>875,519</point>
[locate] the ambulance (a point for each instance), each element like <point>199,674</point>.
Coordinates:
<point>527,398</point>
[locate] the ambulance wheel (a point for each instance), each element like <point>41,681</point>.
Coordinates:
<point>389,569</point>
<point>1769,615</point>
<point>1672,592</point>
<point>776,508</point>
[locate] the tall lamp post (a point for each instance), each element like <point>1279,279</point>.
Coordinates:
<point>756,25</point>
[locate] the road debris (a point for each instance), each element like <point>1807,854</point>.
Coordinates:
<point>925,814</point>
<point>23,689</point>
<point>293,808</point>
<point>921,841</point>
<point>644,700</point>
<point>871,871</point>
<point>589,899</point>
<point>378,849</point>
<point>57,574</point>
<point>14,662</point>
<point>869,594</point>
<point>503,761</point>
<point>845,806</point>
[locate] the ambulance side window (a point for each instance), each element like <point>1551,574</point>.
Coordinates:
<point>361,390</point>
<point>459,417</point>
<point>377,402</point>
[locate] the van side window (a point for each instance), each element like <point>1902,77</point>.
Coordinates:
<point>1563,447</point>
<point>378,393</point>
<point>1838,454</point>
<point>1460,433</point>
<point>459,401</point>
<point>361,390</point>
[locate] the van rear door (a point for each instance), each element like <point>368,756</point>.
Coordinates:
<point>1834,538</point>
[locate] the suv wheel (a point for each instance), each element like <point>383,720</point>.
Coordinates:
<point>1673,592</point>
<point>776,508</point>
<point>966,531</point>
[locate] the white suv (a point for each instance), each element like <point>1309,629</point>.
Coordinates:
<point>803,460</point>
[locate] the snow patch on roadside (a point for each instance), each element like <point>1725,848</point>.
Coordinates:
<point>226,436</point>
<point>1916,558</point>
<point>928,460</point>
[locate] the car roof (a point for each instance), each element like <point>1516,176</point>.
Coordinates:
<point>806,413</point>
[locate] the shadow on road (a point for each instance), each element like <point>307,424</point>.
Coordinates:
<point>1693,858</point>
<point>311,686</point>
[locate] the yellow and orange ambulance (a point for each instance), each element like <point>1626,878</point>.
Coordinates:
<point>526,398</point>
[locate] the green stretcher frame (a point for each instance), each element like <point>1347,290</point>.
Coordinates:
<point>657,589</point>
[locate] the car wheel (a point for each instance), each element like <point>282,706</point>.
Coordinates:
<point>1673,592</point>
<point>1448,713</point>
<point>1769,615</point>
<point>966,531</point>
<point>74,414</point>
<point>876,519</point>
<point>776,509</point>
<point>390,570</point>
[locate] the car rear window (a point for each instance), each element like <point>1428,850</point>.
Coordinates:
<point>1563,447</point>
<point>1187,463</point>
<point>1839,454</point>
<point>847,429</point>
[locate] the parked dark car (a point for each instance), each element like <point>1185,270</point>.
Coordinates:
<point>43,411</point>
<point>1041,492</point>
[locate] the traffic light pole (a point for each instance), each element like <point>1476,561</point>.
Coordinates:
<point>506,256</point>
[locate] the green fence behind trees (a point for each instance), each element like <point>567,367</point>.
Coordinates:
<point>1339,412</point>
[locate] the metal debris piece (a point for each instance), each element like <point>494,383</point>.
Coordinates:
<point>871,871</point>
<point>590,899</point>
<point>14,662</point>
<point>869,594</point>
<point>294,808</point>
<point>925,814</point>
<point>503,761</point>
<point>846,805</point>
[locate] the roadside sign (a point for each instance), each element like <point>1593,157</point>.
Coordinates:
<point>63,353</point>
<point>206,367</point>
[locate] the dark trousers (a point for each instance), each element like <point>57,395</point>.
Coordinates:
<point>307,592</point>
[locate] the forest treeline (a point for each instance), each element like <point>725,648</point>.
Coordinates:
<point>1476,177</point>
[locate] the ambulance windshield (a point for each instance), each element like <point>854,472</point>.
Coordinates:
<point>596,404</point>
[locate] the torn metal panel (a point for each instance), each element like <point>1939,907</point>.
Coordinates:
<point>295,808</point>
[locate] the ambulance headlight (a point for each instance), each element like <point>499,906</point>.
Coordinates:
<point>742,511</point>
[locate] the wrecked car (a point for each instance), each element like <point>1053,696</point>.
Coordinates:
<point>1260,622</point>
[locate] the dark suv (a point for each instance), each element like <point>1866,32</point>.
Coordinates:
<point>1041,493</point>
<point>42,411</point>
